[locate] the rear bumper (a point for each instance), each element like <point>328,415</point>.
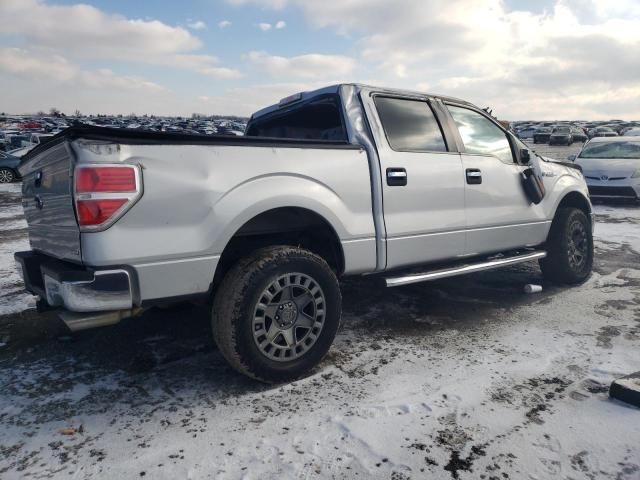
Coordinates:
<point>75,288</point>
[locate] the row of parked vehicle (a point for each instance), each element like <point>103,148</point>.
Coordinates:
<point>21,133</point>
<point>568,133</point>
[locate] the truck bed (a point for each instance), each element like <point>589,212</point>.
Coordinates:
<point>198,191</point>
<point>146,137</point>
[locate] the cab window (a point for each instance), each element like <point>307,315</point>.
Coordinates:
<point>410,125</point>
<point>480,135</point>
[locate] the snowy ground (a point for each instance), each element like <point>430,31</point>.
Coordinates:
<point>465,378</point>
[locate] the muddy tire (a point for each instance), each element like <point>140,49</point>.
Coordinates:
<point>276,313</point>
<point>7,175</point>
<point>569,248</point>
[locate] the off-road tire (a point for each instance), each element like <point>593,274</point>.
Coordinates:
<point>570,227</point>
<point>238,296</point>
<point>7,175</point>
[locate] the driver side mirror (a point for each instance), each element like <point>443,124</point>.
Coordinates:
<point>571,158</point>
<point>525,158</point>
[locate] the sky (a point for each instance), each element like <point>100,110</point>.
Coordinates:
<point>526,59</point>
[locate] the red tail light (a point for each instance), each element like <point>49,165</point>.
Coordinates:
<point>103,193</point>
<point>96,212</point>
<point>105,179</point>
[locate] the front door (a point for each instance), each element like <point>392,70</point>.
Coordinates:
<point>499,215</point>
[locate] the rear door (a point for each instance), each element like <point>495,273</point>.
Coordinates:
<point>499,215</point>
<point>47,198</point>
<point>423,187</point>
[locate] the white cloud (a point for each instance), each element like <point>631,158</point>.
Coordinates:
<point>265,27</point>
<point>196,25</point>
<point>303,66</point>
<point>281,24</point>
<point>55,68</point>
<point>481,50</point>
<point>85,32</point>
<point>224,24</point>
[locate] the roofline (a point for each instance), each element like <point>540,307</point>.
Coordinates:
<point>334,89</point>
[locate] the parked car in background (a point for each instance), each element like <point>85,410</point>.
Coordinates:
<point>542,135</point>
<point>579,135</point>
<point>561,136</point>
<point>611,167</point>
<point>634,132</point>
<point>526,133</point>
<point>602,132</point>
<point>8,167</point>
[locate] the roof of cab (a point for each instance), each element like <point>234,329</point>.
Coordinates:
<point>334,89</point>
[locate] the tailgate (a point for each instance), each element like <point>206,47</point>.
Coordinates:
<point>47,198</point>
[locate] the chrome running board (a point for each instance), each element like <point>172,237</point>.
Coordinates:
<point>462,269</point>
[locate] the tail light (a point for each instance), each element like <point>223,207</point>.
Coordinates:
<point>103,193</point>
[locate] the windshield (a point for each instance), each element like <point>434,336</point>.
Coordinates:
<point>611,150</point>
<point>561,130</point>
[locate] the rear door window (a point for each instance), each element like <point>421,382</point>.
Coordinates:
<point>410,125</point>
<point>480,135</point>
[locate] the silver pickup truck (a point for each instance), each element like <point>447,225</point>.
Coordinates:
<point>346,180</point>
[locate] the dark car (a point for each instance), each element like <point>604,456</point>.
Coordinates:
<point>8,167</point>
<point>561,136</point>
<point>578,134</point>
<point>542,135</point>
<point>602,132</point>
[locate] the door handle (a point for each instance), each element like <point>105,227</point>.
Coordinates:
<point>474,176</point>
<point>396,177</point>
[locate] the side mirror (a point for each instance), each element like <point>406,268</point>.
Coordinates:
<point>524,156</point>
<point>571,158</point>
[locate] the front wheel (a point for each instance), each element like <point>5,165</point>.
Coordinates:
<point>6,175</point>
<point>276,313</point>
<point>569,248</point>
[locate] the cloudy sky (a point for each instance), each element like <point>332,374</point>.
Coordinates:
<point>537,59</point>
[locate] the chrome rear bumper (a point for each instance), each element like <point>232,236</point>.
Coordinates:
<point>75,288</point>
<point>107,290</point>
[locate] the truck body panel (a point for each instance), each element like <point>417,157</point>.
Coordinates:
<point>200,191</point>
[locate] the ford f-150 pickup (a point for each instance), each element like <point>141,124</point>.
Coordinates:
<point>346,180</point>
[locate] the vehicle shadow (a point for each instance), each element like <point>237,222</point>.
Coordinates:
<point>172,350</point>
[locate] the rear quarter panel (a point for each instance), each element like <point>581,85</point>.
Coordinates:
<point>197,197</point>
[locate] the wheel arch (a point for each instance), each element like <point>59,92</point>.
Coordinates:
<point>16,174</point>
<point>284,225</point>
<point>576,200</point>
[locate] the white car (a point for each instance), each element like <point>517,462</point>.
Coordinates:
<point>611,166</point>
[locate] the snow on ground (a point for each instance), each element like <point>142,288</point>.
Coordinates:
<point>621,224</point>
<point>13,238</point>
<point>461,378</point>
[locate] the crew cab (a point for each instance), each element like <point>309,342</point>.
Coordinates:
<point>346,180</point>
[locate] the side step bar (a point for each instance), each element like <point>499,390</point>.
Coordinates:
<point>462,269</point>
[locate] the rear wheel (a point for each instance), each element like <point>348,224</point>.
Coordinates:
<point>6,175</point>
<point>569,248</point>
<point>276,313</point>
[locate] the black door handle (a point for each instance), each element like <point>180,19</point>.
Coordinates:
<point>474,176</point>
<point>396,177</point>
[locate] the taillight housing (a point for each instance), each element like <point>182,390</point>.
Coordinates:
<point>103,193</point>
